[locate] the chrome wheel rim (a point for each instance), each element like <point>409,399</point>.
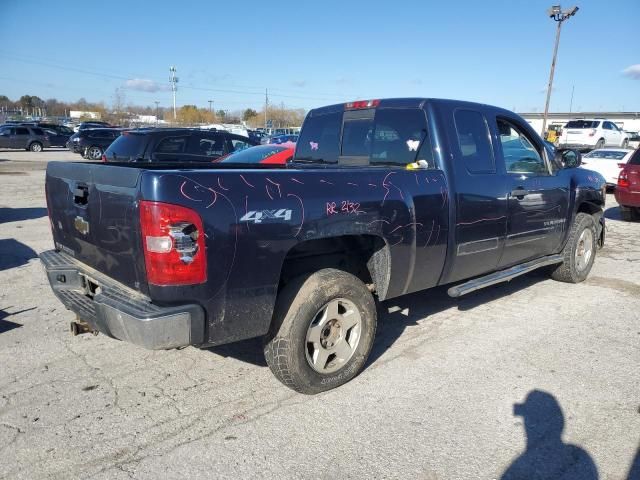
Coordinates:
<point>333,336</point>
<point>94,153</point>
<point>584,250</point>
<point>36,147</point>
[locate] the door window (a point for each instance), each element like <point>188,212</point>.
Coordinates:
<point>21,131</point>
<point>400,137</point>
<point>238,144</point>
<point>474,141</point>
<point>211,146</point>
<point>518,151</point>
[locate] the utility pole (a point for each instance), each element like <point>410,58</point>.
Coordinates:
<point>210,103</point>
<point>266,106</point>
<point>573,87</point>
<point>174,87</point>
<point>557,14</point>
<point>157,103</point>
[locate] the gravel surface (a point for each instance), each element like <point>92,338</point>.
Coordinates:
<point>438,399</point>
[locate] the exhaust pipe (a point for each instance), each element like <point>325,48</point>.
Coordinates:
<point>80,327</point>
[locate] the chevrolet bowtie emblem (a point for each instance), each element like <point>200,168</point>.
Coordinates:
<point>81,225</point>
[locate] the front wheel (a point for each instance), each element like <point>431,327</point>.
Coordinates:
<point>35,147</point>
<point>580,251</point>
<point>625,143</point>
<point>322,332</point>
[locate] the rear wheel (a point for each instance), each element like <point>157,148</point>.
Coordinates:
<point>322,332</point>
<point>600,144</point>
<point>94,153</point>
<point>580,251</point>
<point>35,147</point>
<point>625,143</point>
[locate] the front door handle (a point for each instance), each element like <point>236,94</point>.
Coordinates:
<point>519,193</point>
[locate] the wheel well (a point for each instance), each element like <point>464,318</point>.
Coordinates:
<point>589,208</point>
<point>365,256</point>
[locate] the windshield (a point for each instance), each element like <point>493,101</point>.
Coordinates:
<point>254,154</point>
<point>582,124</point>
<point>606,154</point>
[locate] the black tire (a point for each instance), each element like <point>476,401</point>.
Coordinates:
<point>35,146</point>
<point>625,143</point>
<point>599,144</point>
<point>570,269</point>
<point>629,214</point>
<point>298,307</point>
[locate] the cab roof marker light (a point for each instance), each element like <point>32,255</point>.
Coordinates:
<point>360,104</point>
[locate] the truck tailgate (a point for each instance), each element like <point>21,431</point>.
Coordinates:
<point>94,218</point>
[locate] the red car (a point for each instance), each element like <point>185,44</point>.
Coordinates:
<point>263,154</point>
<point>628,189</point>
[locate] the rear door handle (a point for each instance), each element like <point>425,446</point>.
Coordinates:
<point>519,193</point>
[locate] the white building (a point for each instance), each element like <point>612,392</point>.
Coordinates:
<point>80,113</point>
<point>628,121</point>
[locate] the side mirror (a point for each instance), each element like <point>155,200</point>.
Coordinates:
<point>569,158</point>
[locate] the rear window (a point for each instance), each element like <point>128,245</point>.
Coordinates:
<point>211,146</point>
<point>319,139</point>
<point>388,136</point>
<point>582,124</point>
<point>127,146</point>
<point>255,154</point>
<point>172,145</point>
<point>606,154</point>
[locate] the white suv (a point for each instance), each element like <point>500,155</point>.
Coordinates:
<point>592,134</point>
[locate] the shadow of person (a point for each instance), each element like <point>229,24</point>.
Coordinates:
<point>547,457</point>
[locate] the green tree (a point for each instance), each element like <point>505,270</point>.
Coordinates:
<point>249,113</point>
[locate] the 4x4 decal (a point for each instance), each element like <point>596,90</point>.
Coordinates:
<point>258,216</point>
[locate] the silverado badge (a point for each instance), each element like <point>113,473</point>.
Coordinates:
<point>81,225</point>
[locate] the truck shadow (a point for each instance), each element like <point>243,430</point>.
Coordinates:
<point>6,325</point>
<point>14,254</point>
<point>395,315</point>
<point>612,213</point>
<point>18,214</point>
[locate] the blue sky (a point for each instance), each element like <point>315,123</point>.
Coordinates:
<point>315,53</point>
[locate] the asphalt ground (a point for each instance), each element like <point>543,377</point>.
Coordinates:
<point>509,382</point>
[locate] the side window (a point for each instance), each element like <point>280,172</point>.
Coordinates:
<point>172,145</point>
<point>519,153</point>
<point>320,139</point>
<point>474,141</point>
<point>21,131</point>
<point>400,137</point>
<point>239,144</point>
<point>207,146</point>
<point>606,126</point>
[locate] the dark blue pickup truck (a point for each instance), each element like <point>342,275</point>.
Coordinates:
<point>382,198</point>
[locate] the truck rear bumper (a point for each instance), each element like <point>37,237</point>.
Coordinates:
<point>119,312</point>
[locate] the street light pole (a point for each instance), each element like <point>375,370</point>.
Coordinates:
<point>557,14</point>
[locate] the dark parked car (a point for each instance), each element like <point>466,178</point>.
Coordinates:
<point>278,139</point>
<point>93,124</point>
<point>175,145</point>
<point>25,137</point>
<point>59,135</point>
<point>382,198</point>
<point>92,143</point>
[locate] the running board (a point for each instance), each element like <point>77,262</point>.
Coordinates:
<point>503,275</point>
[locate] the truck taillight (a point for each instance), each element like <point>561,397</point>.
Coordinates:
<point>623,179</point>
<point>173,243</point>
